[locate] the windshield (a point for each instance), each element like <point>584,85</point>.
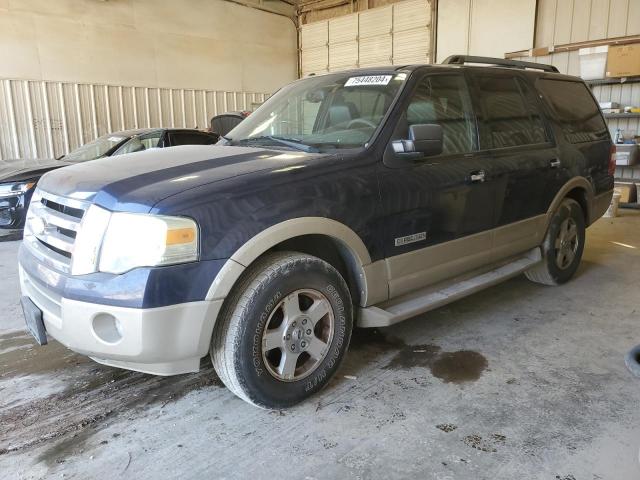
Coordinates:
<point>328,111</point>
<point>96,149</point>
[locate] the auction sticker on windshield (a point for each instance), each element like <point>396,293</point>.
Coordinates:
<point>368,80</point>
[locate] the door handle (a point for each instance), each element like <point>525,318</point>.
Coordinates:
<point>555,163</point>
<point>477,177</point>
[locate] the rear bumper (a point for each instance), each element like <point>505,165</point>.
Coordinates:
<point>600,204</point>
<point>165,340</point>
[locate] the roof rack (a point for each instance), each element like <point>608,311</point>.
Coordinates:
<point>462,59</point>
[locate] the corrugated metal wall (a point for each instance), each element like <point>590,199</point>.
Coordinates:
<point>42,119</point>
<point>392,35</point>
<point>568,21</point>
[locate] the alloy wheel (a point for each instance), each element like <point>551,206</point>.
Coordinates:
<point>297,335</point>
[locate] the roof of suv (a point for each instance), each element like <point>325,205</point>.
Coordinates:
<point>465,61</point>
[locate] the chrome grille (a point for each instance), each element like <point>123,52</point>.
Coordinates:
<point>51,228</point>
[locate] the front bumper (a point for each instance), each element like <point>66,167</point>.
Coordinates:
<point>164,340</point>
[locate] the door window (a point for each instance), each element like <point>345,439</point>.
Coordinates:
<point>191,138</point>
<point>511,116</point>
<point>143,142</point>
<point>443,100</point>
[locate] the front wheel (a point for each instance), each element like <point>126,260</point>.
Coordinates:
<point>284,330</point>
<point>562,247</point>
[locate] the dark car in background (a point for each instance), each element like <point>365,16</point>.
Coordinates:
<point>19,177</point>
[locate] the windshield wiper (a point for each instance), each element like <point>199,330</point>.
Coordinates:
<point>289,142</point>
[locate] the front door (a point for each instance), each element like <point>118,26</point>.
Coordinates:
<point>438,209</point>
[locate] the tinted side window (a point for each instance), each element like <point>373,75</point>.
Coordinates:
<point>444,100</point>
<point>511,117</point>
<point>191,139</point>
<point>574,109</point>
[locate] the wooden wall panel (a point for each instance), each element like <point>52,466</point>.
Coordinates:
<point>545,22</point>
<point>599,19</point>
<point>618,13</point>
<point>564,16</point>
<point>580,21</point>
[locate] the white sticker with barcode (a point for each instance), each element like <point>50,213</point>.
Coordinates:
<point>368,80</point>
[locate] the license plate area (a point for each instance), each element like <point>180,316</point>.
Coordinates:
<point>34,321</point>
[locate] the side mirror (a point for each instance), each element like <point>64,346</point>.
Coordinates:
<point>425,139</point>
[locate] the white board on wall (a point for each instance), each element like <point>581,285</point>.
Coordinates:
<point>488,28</point>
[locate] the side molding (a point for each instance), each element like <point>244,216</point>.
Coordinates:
<point>371,276</point>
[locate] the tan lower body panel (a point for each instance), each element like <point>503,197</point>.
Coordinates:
<point>414,270</point>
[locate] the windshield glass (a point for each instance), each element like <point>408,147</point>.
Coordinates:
<point>328,111</point>
<point>95,149</point>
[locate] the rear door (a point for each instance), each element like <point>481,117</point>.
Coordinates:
<point>584,140</point>
<point>525,164</point>
<point>438,209</point>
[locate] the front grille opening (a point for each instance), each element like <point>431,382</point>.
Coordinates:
<point>55,249</point>
<point>66,232</point>
<point>74,212</point>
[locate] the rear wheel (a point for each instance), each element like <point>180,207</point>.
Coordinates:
<point>562,247</point>
<point>283,331</point>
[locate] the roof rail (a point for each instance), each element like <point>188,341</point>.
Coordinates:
<point>462,59</point>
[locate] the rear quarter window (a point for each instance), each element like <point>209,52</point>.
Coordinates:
<point>574,109</point>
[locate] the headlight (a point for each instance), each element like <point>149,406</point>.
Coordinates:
<point>15,188</point>
<point>141,240</point>
<point>118,242</point>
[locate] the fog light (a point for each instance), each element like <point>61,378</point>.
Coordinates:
<point>107,328</point>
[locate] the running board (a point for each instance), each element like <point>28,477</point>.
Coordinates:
<point>434,296</point>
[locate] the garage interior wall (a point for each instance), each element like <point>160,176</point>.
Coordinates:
<point>394,34</point>
<point>484,27</point>
<point>73,70</point>
<point>569,21</point>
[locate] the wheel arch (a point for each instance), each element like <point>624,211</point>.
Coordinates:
<point>578,189</point>
<point>325,238</point>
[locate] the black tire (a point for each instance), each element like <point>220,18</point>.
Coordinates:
<point>237,344</point>
<point>550,271</point>
<point>632,360</point>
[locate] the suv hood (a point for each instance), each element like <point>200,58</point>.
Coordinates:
<point>136,182</point>
<point>20,169</point>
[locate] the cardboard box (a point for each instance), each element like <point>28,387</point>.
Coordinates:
<point>628,192</point>
<point>626,154</point>
<point>623,60</point>
<point>608,105</point>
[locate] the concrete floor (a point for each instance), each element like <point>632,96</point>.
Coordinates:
<point>519,381</point>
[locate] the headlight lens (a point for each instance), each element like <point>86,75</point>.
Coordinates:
<point>142,240</point>
<point>15,188</point>
<point>118,242</point>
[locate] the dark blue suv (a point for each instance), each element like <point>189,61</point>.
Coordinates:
<point>359,198</point>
